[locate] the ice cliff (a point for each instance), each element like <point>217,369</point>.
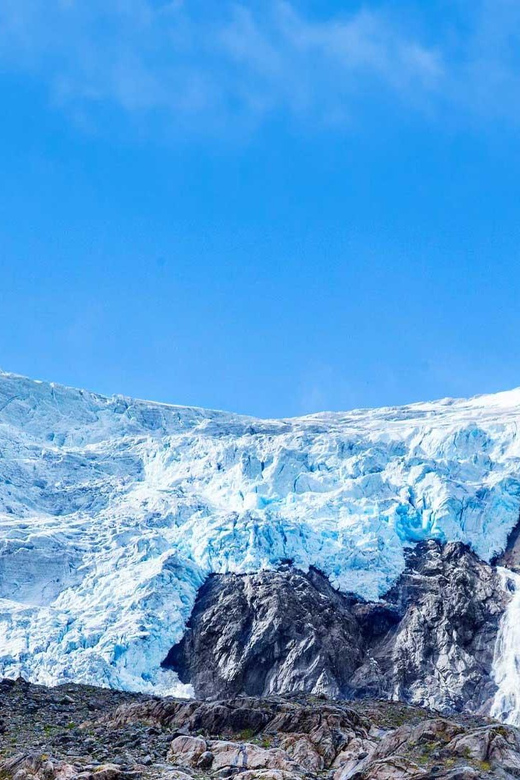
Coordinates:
<point>114,511</point>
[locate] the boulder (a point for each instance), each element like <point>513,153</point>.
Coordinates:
<point>248,756</point>
<point>186,750</point>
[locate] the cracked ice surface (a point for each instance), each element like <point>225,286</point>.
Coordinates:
<point>113,511</point>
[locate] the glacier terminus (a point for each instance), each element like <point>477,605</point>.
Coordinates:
<point>114,512</point>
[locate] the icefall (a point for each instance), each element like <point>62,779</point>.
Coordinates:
<point>113,512</point>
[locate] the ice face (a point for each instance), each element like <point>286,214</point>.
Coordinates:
<point>114,511</point>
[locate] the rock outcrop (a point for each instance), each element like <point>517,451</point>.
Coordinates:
<point>269,632</point>
<point>440,652</point>
<point>288,738</point>
<point>84,733</point>
<point>510,557</point>
<point>430,641</point>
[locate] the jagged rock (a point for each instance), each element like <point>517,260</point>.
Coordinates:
<point>429,642</point>
<point>265,774</point>
<point>302,717</point>
<point>474,745</point>
<point>353,758</point>
<point>108,772</point>
<point>269,632</point>
<point>309,736</point>
<point>205,760</point>
<point>504,756</point>
<point>248,756</point>
<point>174,775</point>
<point>24,766</point>
<point>440,654</point>
<point>495,745</point>
<point>186,750</point>
<point>33,767</point>
<point>459,773</point>
<point>510,557</point>
<point>435,730</point>
<point>303,750</point>
<point>395,768</point>
<point>197,753</point>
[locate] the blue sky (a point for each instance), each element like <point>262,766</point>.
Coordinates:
<point>269,207</point>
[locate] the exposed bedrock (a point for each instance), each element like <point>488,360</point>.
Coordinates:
<point>430,641</point>
<point>510,557</point>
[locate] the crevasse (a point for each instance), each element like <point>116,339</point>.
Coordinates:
<point>113,511</point>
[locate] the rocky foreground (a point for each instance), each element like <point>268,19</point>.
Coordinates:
<point>74,732</point>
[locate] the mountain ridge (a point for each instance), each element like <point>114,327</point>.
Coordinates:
<point>501,396</point>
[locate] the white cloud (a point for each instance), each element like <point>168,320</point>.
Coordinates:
<point>206,65</point>
<point>220,64</point>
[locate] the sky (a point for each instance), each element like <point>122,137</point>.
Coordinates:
<point>273,207</point>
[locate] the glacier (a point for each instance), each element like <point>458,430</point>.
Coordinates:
<point>114,511</point>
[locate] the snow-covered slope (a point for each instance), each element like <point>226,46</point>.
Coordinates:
<point>113,512</point>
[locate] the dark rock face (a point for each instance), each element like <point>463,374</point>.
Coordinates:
<point>440,652</point>
<point>510,558</point>
<point>269,632</point>
<point>430,641</point>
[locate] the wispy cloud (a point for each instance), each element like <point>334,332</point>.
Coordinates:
<point>219,63</point>
<point>235,64</point>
